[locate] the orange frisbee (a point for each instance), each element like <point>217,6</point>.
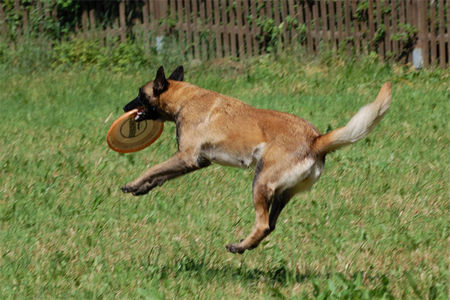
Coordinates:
<point>126,135</point>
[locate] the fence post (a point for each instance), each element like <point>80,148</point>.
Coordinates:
<point>3,21</point>
<point>442,33</point>
<point>122,21</point>
<point>422,21</point>
<point>17,11</point>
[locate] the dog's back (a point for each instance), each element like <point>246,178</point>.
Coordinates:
<point>226,124</point>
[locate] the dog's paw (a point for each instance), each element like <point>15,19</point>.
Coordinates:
<point>144,188</point>
<point>127,189</point>
<point>235,248</point>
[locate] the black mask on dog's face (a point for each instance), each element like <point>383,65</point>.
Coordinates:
<point>147,104</point>
<point>146,110</point>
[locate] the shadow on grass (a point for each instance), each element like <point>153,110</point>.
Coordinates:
<point>359,284</point>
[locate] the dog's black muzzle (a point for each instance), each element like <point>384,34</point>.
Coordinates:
<point>146,111</point>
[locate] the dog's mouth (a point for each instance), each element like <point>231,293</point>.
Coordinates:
<point>140,115</point>
<point>146,111</point>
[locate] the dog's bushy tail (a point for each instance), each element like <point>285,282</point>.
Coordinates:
<point>359,126</point>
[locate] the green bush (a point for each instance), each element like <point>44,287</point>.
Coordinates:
<point>126,55</point>
<point>115,56</point>
<point>77,51</point>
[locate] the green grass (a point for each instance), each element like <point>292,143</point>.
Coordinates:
<point>375,225</point>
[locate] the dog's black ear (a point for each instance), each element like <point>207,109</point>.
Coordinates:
<point>177,74</point>
<point>160,84</point>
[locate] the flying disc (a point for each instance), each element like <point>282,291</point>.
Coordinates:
<point>126,135</point>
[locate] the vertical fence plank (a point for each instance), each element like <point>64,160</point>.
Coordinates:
<point>442,34</point>
<point>411,18</point>
<point>92,17</point>
<point>394,13</point>
<point>210,20</point>
<point>17,11</point>
<point>448,33</point>
<point>248,31</point>
<point>268,14</point>
<point>254,28</point>
<point>240,31</point>
<point>356,37</point>
<point>381,41</point>
<point>363,37</point>
<point>316,22</point>
<point>156,11</point>
<point>276,15</point>
<point>217,28</point>
<point>401,14</point>
<point>173,9</point>
<point>232,28</point>
<point>54,11</point>
<point>226,35</point>
<point>371,26</point>
<point>84,21</point>
<point>146,27</point>
<point>301,19</point>
<point>293,32</point>
<point>332,23</point>
<point>347,27</point>
<point>432,32</point>
<point>202,31</point>
<point>340,23</point>
<point>40,14</point>
<point>402,20</point>
<point>151,10</point>
<point>163,14</point>
<point>325,20</point>
<point>25,19</point>
<point>284,13</point>
<point>387,33</point>
<point>410,15</point>
<point>189,33</point>
<point>324,16</point>
<point>309,40</point>
<point>258,30</point>
<point>3,21</point>
<point>181,25</point>
<point>122,21</point>
<point>423,30</point>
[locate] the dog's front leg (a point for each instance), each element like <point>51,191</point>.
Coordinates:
<point>179,164</point>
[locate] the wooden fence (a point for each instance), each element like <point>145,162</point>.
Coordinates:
<point>243,28</point>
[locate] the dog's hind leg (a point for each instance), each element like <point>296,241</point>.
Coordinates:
<point>265,195</point>
<point>262,198</point>
<point>180,164</point>
<point>265,222</point>
<point>279,202</point>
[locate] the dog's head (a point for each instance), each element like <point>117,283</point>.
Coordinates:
<point>147,101</point>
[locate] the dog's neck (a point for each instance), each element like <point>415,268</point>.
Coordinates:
<point>173,100</point>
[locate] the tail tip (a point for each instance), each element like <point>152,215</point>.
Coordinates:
<point>386,88</point>
<point>384,98</point>
<point>385,92</point>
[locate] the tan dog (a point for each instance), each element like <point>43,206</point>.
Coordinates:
<point>288,152</point>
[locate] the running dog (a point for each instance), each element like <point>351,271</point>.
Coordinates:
<point>287,151</point>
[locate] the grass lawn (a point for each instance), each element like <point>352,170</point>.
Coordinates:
<point>375,225</point>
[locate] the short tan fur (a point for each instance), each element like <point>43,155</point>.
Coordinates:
<point>287,151</point>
